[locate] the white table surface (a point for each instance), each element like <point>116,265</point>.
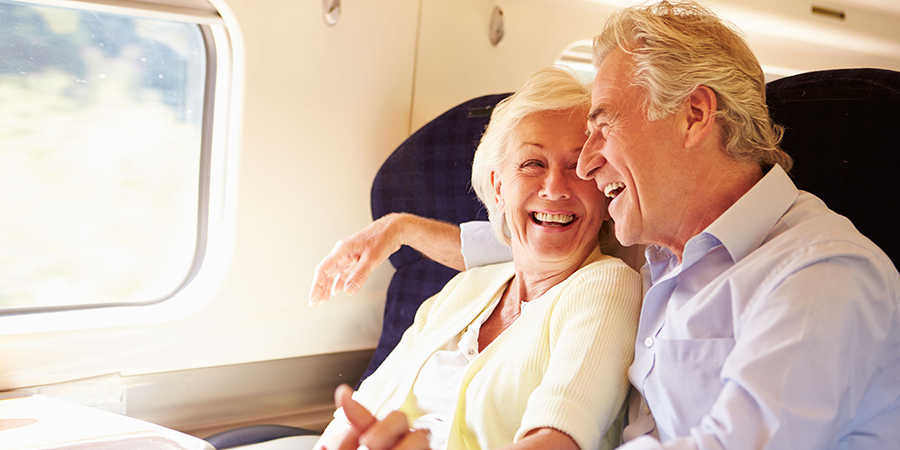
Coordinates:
<point>37,422</point>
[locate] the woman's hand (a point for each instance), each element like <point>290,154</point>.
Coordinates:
<point>353,258</point>
<point>392,433</point>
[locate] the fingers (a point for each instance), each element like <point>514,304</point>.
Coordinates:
<point>360,418</point>
<point>353,259</point>
<point>328,274</point>
<point>360,272</point>
<point>350,441</point>
<point>391,433</point>
<point>414,440</point>
<point>387,433</point>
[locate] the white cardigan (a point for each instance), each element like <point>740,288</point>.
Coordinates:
<point>562,364</point>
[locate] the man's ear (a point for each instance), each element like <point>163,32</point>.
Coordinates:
<point>498,198</point>
<point>700,110</point>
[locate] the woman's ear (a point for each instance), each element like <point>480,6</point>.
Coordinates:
<point>701,115</point>
<point>498,197</point>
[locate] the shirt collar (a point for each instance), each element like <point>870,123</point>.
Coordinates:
<point>744,226</point>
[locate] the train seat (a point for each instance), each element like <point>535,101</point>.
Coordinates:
<point>839,127</point>
<point>427,175</point>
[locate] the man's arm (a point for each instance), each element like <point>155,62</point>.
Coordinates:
<point>353,258</point>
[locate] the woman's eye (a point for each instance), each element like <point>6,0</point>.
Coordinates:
<point>531,164</point>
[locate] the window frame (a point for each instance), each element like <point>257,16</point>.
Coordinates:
<point>220,134</point>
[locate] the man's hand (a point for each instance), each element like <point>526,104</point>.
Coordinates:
<point>353,259</point>
<point>392,433</point>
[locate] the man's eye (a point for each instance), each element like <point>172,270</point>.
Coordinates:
<point>602,128</point>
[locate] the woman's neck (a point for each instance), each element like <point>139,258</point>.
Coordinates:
<point>533,280</point>
<point>524,287</point>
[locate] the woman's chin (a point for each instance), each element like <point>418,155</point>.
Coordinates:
<point>562,253</point>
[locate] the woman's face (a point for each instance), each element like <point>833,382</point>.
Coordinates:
<point>553,215</point>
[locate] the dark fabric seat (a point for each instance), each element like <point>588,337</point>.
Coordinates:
<point>843,129</point>
<point>254,434</point>
<point>428,175</point>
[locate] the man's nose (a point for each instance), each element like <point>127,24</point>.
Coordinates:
<point>590,160</point>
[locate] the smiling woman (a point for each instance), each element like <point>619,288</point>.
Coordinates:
<point>556,215</point>
<point>499,356</point>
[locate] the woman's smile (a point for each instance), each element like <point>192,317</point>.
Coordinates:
<point>553,216</point>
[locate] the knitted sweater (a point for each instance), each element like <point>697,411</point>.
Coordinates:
<point>562,364</point>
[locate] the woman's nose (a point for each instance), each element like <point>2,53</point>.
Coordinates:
<point>556,185</point>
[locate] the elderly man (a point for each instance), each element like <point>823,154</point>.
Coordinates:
<point>768,320</point>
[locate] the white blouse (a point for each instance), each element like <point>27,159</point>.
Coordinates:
<point>436,390</point>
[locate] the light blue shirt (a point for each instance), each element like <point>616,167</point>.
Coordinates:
<point>780,329</point>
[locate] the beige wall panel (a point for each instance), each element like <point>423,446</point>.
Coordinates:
<point>456,61</point>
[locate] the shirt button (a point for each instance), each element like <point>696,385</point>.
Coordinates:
<point>648,342</point>
<point>471,352</point>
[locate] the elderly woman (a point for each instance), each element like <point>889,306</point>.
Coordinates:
<point>528,353</point>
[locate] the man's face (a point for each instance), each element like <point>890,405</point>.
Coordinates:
<point>635,162</point>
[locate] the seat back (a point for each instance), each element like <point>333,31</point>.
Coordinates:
<point>842,127</point>
<point>428,175</point>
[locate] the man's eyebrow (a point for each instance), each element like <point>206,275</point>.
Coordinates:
<point>596,112</point>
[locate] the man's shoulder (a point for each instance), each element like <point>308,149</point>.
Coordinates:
<point>809,228</point>
<point>809,233</point>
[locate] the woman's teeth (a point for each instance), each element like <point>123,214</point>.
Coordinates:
<point>562,219</point>
<point>613,189</point>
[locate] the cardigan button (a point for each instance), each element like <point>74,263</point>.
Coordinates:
<point>648,342</point>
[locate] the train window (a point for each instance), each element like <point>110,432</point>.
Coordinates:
<point>105,156</point>
<point>579,57</point>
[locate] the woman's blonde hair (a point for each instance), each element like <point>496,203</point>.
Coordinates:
<point>678,47</point>
<point>549,89</point>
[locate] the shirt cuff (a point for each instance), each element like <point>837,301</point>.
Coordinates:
<point>480,246</point>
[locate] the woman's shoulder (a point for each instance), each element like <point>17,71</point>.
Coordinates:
<point>602,276</point>
<point>603,289</point>
<point>600,265</point>
<point>498,271</point>
<point>476,282</point>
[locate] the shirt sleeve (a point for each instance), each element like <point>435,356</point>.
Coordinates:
<point>480,246</point>
<point>592,334</point>
<point>809,365</point>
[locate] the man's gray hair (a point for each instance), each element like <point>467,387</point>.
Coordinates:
<point>678,47</point>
